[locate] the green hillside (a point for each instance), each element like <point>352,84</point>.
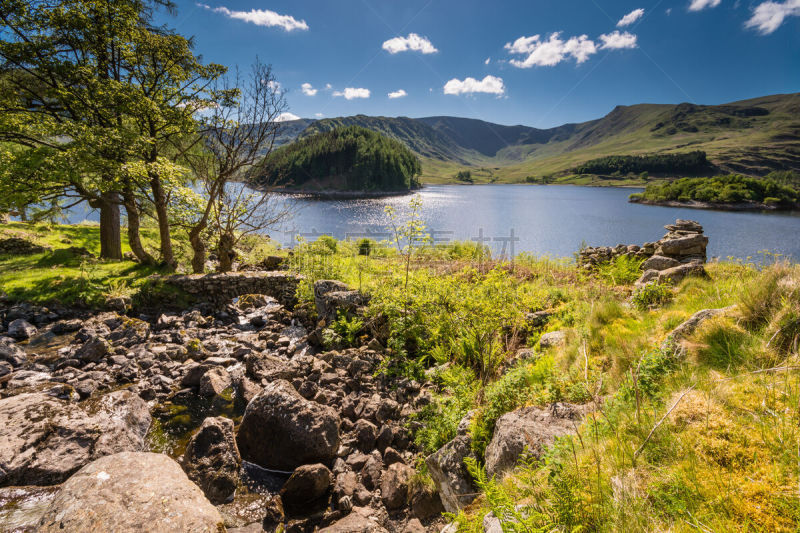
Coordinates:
<point>752,137</point>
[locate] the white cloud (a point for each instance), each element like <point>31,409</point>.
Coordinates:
<point>616,40</point>
<point>413,43</point>
<point>698,5</point>
<point>328,86</point>
<point>768,16</point>
<point>353,92</point>
<point>630,18</point>
<point>489,84</point>
<point>397,94</point>
<point>318,115</point>
<point>488,60</point>
<point>261,17</point>
<point>284,117</point>
<point>668,11</point>
<point>308,89</point>
<point>551,52</point>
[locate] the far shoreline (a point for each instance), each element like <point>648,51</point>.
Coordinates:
<point>716,206</point>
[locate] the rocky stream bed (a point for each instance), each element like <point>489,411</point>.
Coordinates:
<point>217,417</point>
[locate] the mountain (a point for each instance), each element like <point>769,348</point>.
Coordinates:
<point>751,137</point>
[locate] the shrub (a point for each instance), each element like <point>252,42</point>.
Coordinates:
<point>651,295</point>
<point>621,270</point>
<point>365,246</point>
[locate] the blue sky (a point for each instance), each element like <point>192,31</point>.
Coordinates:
<point>535,62</point>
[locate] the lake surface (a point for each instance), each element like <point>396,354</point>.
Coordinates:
<point>545,220</point>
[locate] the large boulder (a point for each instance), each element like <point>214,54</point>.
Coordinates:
<point>43,439</point>
<point>528,430</point>
<point>129,493</point>
<point>449,474</point>
<point>307,490</point>
<point>282,430</point>
<point>332,297</point>
<point>21,329</point>
<point>394,485</point>
<point>212,459</point>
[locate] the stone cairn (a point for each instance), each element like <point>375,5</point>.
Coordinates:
<point>680,252</point>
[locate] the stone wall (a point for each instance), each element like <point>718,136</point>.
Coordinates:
<point>684,243</point>
<point>219,289</point>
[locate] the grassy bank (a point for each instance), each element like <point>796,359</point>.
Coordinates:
<point>698,436</point>
<point>703,435</point>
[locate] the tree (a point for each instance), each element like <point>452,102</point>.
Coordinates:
<point>99,103</point>
<point>171,86</point>
<point>239,130</point>
<point>62,66</point>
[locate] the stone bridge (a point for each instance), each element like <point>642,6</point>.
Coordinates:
<point>219,289</point>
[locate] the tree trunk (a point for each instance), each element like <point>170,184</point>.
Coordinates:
<point>199,249</point>
<point>226,253</point>
<point>134,239</point>
<point>110,239</point>
<point>160,201</point>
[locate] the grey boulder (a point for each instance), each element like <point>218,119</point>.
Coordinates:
<point>282,430</point>
<point>212,459</point>
<point>131,492</point>
<point>43,440</point>
<point>528,430</point>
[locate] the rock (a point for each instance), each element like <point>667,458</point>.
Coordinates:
<point>282,430</point>
<point>273,514</point>
<point>690,325</point>
<point>447,469</point>
<point>659,262</point>
<point>425,502</point>
<point>538,319</point>
<point>129,493</point>
<point>323,287</point>
<point>366,432</point>
<point>676,274</point>
<point>21,329</point>
<point>306,491</point>
<point>360,520</point>
<point>394,485</point>
<point>413,526</point>
<point>391,456</point>
<point>267,367</point>
<point>370,473</point>
<point>18,246</point>
<point>214,382</point>
<point>683,246</point>
<point>212,459</point>
<point>553,338</point>
<point>646,277</point>
<point>44,439</point>
<point>346,484</point>
<point>491,524</point>
<point>271,262</point>
<point>529,430</point>
<point>12,353</point>
<point>93,350</point>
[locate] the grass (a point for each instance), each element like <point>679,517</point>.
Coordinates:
<point>703,438</point>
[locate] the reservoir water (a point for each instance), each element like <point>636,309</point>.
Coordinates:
<point>544,220</point>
